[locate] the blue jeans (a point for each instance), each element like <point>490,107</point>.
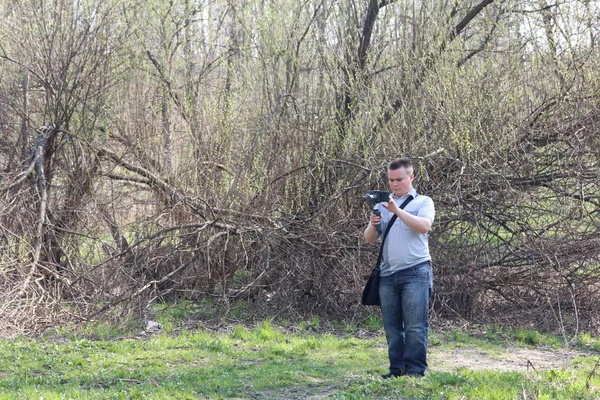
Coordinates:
<point>405,307</point>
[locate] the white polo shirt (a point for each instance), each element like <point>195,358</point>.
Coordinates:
<point>405,247</point>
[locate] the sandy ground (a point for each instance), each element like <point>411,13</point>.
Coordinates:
<point>510,359</point>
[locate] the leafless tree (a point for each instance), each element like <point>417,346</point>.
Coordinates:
<point>217,148</point>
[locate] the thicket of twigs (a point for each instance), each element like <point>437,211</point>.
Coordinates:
<point>206,148</point>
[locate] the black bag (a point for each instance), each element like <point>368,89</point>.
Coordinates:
<point>370,295</point>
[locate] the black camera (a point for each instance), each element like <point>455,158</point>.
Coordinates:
<point>375,197</point>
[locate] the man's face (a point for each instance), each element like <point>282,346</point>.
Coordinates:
<point>400,181</point>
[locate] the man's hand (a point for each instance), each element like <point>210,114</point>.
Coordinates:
<point>371,235</point>
<point>375,219</point>
<point>391,206</point>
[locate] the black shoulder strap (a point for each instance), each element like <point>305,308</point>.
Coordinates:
<point>389,226</point>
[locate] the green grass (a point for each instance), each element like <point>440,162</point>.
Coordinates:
<point>588,342</point>
<point>262,361</point>
<point>494,336</point>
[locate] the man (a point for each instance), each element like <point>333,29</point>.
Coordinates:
<point>406,277</point>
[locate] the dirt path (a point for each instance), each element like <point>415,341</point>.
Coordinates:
<point>510,359</point>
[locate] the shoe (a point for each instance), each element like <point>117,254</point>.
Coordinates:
<point>416,374</point>
<point>391,375</point>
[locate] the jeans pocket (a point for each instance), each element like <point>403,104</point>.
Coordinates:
<point>423,270</point>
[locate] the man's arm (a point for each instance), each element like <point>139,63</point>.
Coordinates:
<point>416,223</point>
<point>371,233</point>
<point>419,224</point>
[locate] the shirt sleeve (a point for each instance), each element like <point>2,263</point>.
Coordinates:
<point>427,210</point>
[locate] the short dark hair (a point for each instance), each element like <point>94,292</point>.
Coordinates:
<point>400,163</point>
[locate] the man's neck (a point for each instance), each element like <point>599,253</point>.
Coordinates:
<point>404,194</point>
